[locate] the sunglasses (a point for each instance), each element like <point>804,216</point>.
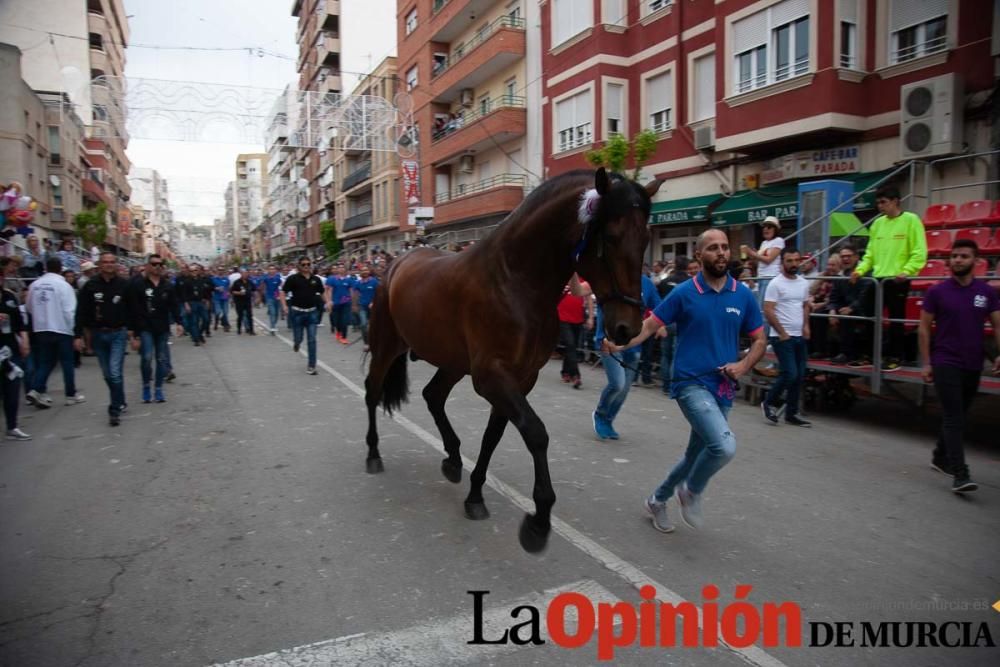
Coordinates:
<point>156,263</point>
<point>305,264</point>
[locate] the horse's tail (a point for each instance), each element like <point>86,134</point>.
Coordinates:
<point>386,344</point>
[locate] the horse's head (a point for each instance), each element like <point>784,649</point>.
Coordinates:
<point>616,212</point>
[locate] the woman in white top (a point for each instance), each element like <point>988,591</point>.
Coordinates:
<point>768,264</point>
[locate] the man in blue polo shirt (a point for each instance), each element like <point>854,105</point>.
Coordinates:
<point>365,287</point>
<point>712,311</point>
<point>272,285</point>
<point>338,287</point>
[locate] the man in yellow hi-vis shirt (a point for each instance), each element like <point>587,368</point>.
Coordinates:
<point>897,249</point>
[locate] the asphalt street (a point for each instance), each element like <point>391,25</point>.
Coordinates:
<point>235,524</point>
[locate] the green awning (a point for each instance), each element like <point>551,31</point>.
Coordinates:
<point>682,211</point>
<point>748,207</point>
<point>846,224</point>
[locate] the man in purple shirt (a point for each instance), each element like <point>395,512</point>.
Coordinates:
<point>959,306</point>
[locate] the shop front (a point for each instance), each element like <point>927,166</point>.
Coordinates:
<point>675,226</point>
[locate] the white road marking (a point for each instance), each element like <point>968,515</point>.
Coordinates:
<point>439,642</point>
<point>753,655</point>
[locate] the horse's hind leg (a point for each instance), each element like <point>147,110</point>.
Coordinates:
<point>436,393</point>
<point>475,507</point>
<point>373,392</point>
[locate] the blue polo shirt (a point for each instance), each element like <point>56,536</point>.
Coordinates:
<point>220,286</point>
<point>271,286</point>
<point>366,290</point>
<point>709,325</point>
<point>341,289</point>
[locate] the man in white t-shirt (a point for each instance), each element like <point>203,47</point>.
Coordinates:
<point>786,308</point>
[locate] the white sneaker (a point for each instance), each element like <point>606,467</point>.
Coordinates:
<point>690,507</point>
<point>76,398</point>
<point>46,399</point>
<point>39,400</point>
<point>17,434</point>
<point>311,371</point>
<point>658,510</point>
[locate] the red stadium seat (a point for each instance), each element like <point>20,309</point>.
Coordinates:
<point>934,267</point>
<point>939,242</point>
<point>993,247</point>
<point>981,235</point>
<point>914,304</point>
<point>981,268</point>
<point>939,215</point>
<point>976,212</point>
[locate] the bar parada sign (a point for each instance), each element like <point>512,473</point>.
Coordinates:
<point>808,164</point>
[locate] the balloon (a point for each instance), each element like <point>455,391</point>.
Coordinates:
<point>21,218</point>
<point>33,206</point>
<point>23,202</point>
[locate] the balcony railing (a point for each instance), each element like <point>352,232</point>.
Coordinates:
<point>356,177</point>
<point>498,181</point>
<point>484,108</point>
<point>442,66</point>
<point>439,5</point>
<point>357,221</point>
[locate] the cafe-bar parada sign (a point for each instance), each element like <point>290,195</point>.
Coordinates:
<point>812,164</point>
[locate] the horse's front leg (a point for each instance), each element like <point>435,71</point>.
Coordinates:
<point>475,507</point>
<point>508,399</point>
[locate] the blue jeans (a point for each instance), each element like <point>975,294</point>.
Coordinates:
<point>194,321</point>
<point>710,446</point>
<point>306,322</point>
<point>792,355</point>
<point>220,311</point>
<point>273,311</point>
<point>52,347</point>
<point>150,345</point>
<point>364,312</point>
<point>620,380</point>
<point>109,346</point>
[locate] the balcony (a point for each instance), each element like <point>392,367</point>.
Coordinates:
<point>500,119</point>
<point>96,22</point>
<point>492,196</point>
<point>358,221</point>
<point>450,18</point>
<point>328,49</point>
<point>491,51</point>
<point>94,190</point>
<point>98,59</point>
<point>328,14</point>
<point>356,177</point>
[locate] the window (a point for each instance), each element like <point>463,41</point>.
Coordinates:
<point>849,34</point>
<point>614,12</point>
<point>917,29</point>
<point>653,6</point>
<point>55,147</point>
<point>411,78</point>
<point>510,90</point>
<point>484,104</point>
<point>96,41</point>
<point>659,101</point>
<point>411,21</point>
<point>57,198</point>
<point>570,18</point>
<point>703,103</point>
<point>771,45</point>
<point>514,11</point>
<point>613,97</point>
<point>574,121</point>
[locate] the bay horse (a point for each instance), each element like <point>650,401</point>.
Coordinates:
<point>490,312</point>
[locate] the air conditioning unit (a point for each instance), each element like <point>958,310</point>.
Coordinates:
<point>704,138</point>
<point>930,117</point>
<point>466,164</point>
<point>466,97</point>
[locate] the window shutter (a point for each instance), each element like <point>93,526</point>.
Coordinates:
<point>564,114</point>
<point>613,103</point>
<point>905,13</point>
<point>849,11</point>
<point>659,92</point>
<point>584,112</point>
<point>704,96</point>
<point>787,11</point>
<point>750,32</point>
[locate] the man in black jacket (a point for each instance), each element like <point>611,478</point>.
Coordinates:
<point>241,292</point>
<point>103,309</point>
<point>193,292</point>
<point>151,303</point>
<point>854,299</point>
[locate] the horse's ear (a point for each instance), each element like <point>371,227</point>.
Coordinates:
<point>601,181</point>
<point>653,186</point>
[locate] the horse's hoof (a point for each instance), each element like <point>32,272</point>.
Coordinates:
<point>374,466</point>
<point>476,511</point>
<point>533,537</point>
<point>452,471</point>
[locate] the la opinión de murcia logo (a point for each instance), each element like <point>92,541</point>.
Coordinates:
<point>572,620</point>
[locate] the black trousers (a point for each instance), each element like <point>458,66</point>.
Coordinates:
<point>569,336</point>
<point>894,299</point>
<point>955,388</point>
<point>244,315</point>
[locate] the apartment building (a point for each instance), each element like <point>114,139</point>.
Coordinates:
<point>318,65</point>
<point>224,234</point>
<point>282,212</point>
<point>751,97</point>
<point>250,197</point>
<point>465,65</point>
<point>151,193</point>
<point>363,183</point>
<point>83,57</point>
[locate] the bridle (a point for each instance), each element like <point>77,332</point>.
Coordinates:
<point>616,293</point>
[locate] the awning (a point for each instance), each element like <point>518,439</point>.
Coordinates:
<point>748,207</point>
<point>682,211</point>
<point>846,224</point>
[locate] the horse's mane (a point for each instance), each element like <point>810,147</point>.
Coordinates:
<point>547,191</point>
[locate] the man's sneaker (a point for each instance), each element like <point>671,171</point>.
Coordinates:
<point>963,484</point>
<point>577,382</point>
<point>75,398</point>
<point>690,507</point>
<point>941,466</point>
<point>38,400</point>
<point>612,433</point>
<point>158,396</point>
<point>295,348</point>
<point>123,408</point>
<point>17,434</point>
<point>147,394</point>
<point>114,420</point>
<point>311,371</point>
<point>794,420</point>
<point>890,364</point>
<point>567,378</point>
<point>769,416</point>
<point>600,426</point>
<point>171,377</point>
<point>658,510</point>
<point>274,332</point>
<point>840,359</point>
